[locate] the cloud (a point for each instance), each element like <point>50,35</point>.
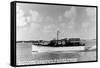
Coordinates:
<point>48,20</point>
<point>70,13</point>
<point>60,18</point>
<point>20,17</point>
<point>71,24</point>
<point>91,12</point>
<point>49,28</point>
<point>70,16</point>
<point>34,15</point>
<point>85,27</point>
<point>85,24</point>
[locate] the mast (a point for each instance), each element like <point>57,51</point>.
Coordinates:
<point>57,36</point>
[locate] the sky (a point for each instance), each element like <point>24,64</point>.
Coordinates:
<point>41,22</point>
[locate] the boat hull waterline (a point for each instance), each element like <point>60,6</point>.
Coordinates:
<point>56,49</point>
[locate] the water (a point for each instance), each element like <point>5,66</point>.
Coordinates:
<point>25,56</point>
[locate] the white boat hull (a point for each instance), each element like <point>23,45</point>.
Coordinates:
<point>53,49</point>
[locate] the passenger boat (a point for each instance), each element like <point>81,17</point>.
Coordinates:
<point>68,45</point>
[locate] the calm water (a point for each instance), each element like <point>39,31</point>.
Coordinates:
<point>25,56</point>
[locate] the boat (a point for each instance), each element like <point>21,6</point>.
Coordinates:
<point>59,45</point>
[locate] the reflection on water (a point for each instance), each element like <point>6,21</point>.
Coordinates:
<point>25,56</point>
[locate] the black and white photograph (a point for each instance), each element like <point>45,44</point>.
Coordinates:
<point>53,34</point>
